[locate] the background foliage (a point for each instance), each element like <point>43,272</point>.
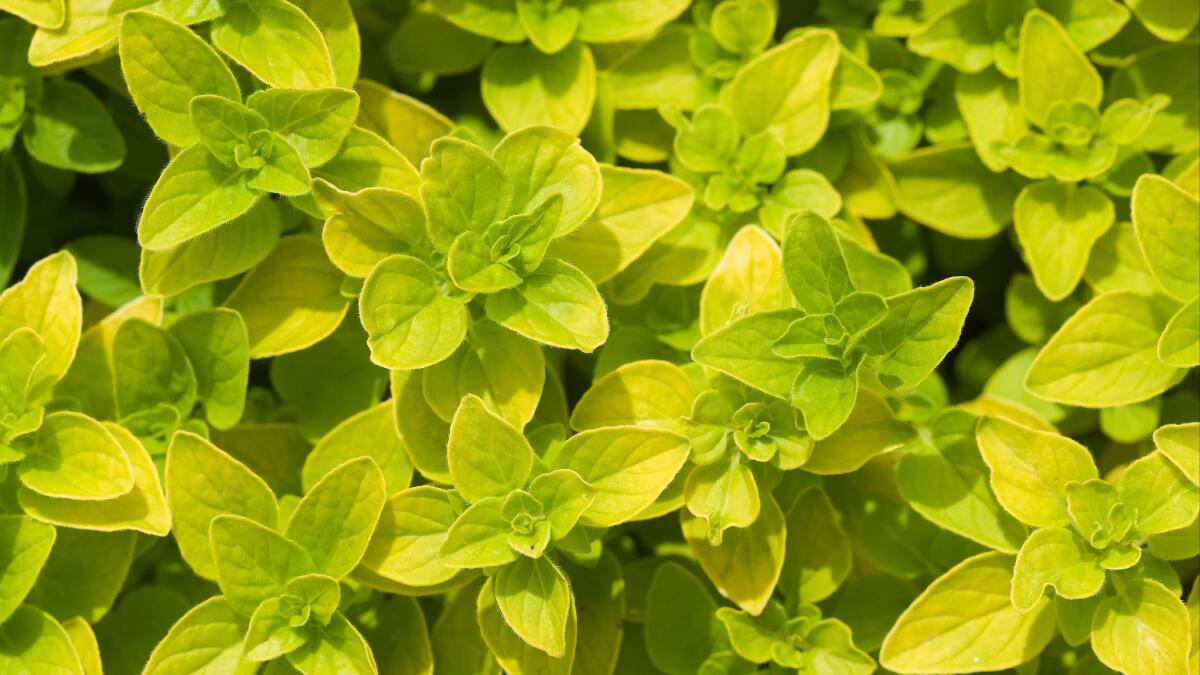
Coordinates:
<point>599,336</point>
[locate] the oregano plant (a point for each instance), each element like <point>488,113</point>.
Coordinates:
<point>599,337</point>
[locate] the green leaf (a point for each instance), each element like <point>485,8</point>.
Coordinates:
<point>504,369</point>
<point>217,345</point>
<point>787,90</point>
<point>84,573</point>
<point>12,191</point>
<point>948,188</point>
<point>276,42</point>
<point>814,265</point>
<point>679,628</point>
<point>815,565</point>
<point>945,480</point>
<point>207,640</point>
<point>314,121</point>
<point>369,433</point>
<point>628,466</point>
<point>723,495</point>
<point>46,302</point>
<point>75,457</point>
<point>965,622</point>
<point>195,194</point>
<point>479,537</point>
<point>1180,443</point>
<point>143,508</point>
<point>824,391</point>
<point>203,482</point>
<point>621,20</point>
<point>1030,470</point>
<point>872,429</point>
<point>410,322</point>
<point>1161,494</point>
<point>270,633</point>
<point>745,350</point>
<point>637,207</point>
<point>556,305</point>
<point>1166,19</point>
<point>150,370</point>
<point>535,598</point>
<point>32,641</point>
<point>283,171</point>
<point>958,35</point>
<point>71,129</point>
<point>522,86</point>
<point>1105,355</point>
<point>165,66</point>
<point>565,496</point>
<point>253,562</point>
<point>1056,557</point>
<point>291,300</point>
<point>366,160</point>
<point>753,636</point>
<point>541,162</point>
<point>1142,629</point>
<point>746,566</point>
<point>486,455</point>
<point>921,327</point>
<point>1052,68</point>
<point>27,545</point>
<point>335,519</point>
<point>1166,222</point>
<point>410,534</point>
<point>424,42</point>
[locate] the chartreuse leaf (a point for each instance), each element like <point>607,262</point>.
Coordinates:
<point>277,42</point>
<point>83,639</point>
<point>27,545</point>
<point>1162,496</point>
<point>1180,443</point>
<point>636,208</point>
<point>504,369</point>
<point>362,228</point>
<point>647,393</point>
<point>486,455</point>
<point>143,508</point>
<point>1167,20</point>
<point>291,300</point>
<point>745,350</point>
<point>1057,225</point>
<point>76,457</point>
<point>218,347</point>
<point>479,537</point>
<point>965,622</point>
<point>522,86</point>
<point>195,194</point>
<point>1166,222</point>
<point>948,188</point>
<point>748,279</point>
<point>1052,68</point>
<point>535,598</point>
<point>557,305</point>
<point>338,647</point>
<point>787,90</point>
<point>628,466</point>
<point>1057,557</point>
<point>1106,354</point>
<point>335,519</point>
<point>411,323</point>
<point>1179,344</point>
<point>724,495</point>
<point>815,565</point>
<point>542,161</point>
<point>32,641</point>
<point>510,650</point>
<point>921,327</point>
<point>203,482</point>
<point>1142,629</point>
<point>369,433</point>
<point>37,12</point>
<point>463,189</point>
<point>1030,469</point>
<point>208,639</point>
<point>407,123</point>
<point>814,265</point>
<point>313,121</point>
<point>411,531</point>
<point>165,66</point>
<point>228,250</point>
<point>253,562</point>
<point>746,566</point>
<point>150,371</point>
<point>46,302</point>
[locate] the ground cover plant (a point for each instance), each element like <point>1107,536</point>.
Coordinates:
<point>677,337</point>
